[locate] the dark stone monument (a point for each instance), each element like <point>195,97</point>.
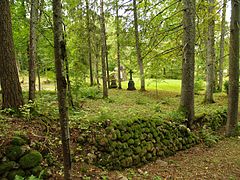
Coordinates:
<point>113,83</point>
<point>131,85</point>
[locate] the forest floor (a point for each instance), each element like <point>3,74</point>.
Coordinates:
<point>222,161</point>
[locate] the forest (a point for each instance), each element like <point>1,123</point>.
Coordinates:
<point>119,89</point>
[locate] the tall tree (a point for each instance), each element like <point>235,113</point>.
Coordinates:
<point>221,58</point>
<point>210,62</point>
<point>233,69</point>
<point>138,48</point>
<point>11,89</point>
<point>32,50</point>
<point>89,44</point>
<point>104,50</point>
<point>60,55</point>
<point>118,46</point>
<point>187,90</point>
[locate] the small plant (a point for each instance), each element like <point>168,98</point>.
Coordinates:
<point>226,85</point>
<point>208,136</point>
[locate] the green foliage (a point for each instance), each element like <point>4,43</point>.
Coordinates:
<point>198,86</point>
<point>209,137</point>
<point>89,92</point>
<point>226,85</point>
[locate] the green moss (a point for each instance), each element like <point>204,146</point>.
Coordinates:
<point>130,141</point>
<point>11,175</point>
<point>30,160</point>
<point>18,141</point>
<point>103,141</point>
<point>6,166</point>
<point>36,170</point>
<point>14,152</point>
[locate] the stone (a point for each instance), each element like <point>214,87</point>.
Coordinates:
<point>14,152</point>
<point>6,166</point>
<point>11,175</point>
<point>30,160</point>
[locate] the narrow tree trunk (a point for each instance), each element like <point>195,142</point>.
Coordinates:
<point>32,50</point>
<point>103,49</point>
<point>89,45</point>
<point>97,62</point>
<point>138,48</point>
<point>118,48</point>
<point>187,90</point>
<point>221,58</point>
<point>210,64</point>
<point>233,70</point>
<point>39,76</point>
<point>11,89</point>
<point>60,52</point>
<point>107,67</point>
<point>70,98</point>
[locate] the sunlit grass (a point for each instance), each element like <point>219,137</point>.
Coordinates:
<point>153,84</point>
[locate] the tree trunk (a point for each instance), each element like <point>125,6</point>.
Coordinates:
<point>118,47</point>
<point>103,49</point>
<point>11,89</point>
<point>187,90</point>
<point>60,52</point>
<point>32,50</point>
<point>210,64</point>
<point>107,67</point>
<point>221,58</point>
<point>233,70</point>
<point>97,62</point>
<point>138,48</point>
<point>89,45</point>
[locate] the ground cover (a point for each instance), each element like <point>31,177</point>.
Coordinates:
<point>219,162</point>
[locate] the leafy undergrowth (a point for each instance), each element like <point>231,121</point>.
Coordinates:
<point>222,161</point>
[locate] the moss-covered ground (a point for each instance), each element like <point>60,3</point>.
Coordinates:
<point>221,161</point>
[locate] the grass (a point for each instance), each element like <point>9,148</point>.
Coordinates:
<point>172,85</point>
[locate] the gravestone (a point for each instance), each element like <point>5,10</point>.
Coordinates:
<point>131,84</point>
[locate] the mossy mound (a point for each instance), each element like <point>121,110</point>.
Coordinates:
<point>20,140</point>
<point>6,166</point>
<point>11,175</point>
<point>135,143</point>
<point>30,160</point>
<point>19,159</point>
<point>14,152</point>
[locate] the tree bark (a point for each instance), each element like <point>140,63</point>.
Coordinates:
<point>231,128</point>
<point>11,89</point>
<point>107,67</point>
<point>138,48</point>
<point>60,52</point>
<point>32,50</point>
<point>89,45</point>
<point>221,58</point>
<point>103,49</point>
<point>187,90</point>
<point>118,47</point>
<point>210,64</point>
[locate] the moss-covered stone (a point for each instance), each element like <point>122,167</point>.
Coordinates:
<point>6,166</point>
<point>14,152</point>
<point>18,141</point>
<point>30,160</point>
<point>36,170</point>
<point>11,175</point>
